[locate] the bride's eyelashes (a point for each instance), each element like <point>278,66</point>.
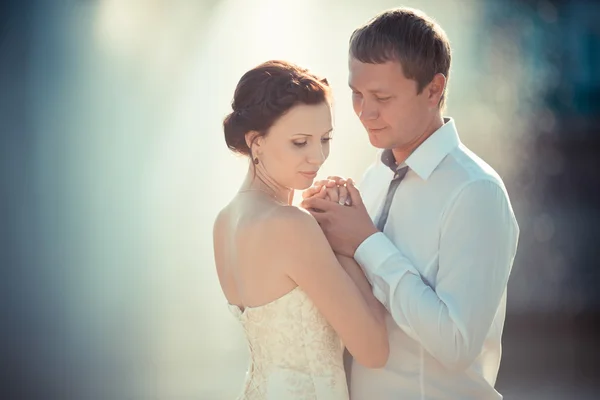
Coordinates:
<point>302,144</point>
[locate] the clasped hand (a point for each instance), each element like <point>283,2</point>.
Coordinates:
<point>337,206</point>
<point>333,189</point>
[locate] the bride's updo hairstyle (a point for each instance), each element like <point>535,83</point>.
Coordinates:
<point>264,94</point>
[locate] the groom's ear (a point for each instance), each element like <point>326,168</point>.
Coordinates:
<point>436,89</point>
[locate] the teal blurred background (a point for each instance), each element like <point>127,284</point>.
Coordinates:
<point>113,166</point>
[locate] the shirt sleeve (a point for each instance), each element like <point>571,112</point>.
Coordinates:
<point>478,242</point>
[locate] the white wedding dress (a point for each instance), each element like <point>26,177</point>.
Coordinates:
<point>295,354</point>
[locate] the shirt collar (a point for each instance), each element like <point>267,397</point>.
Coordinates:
<point>425,159</point>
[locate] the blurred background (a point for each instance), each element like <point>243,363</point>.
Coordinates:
<point>113,167</point>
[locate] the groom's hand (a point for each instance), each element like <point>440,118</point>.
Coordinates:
<point>345,227</point>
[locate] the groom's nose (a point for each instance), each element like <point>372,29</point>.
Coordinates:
<point>368,110</point>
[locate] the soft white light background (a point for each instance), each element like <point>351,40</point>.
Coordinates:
<point>142,88</point>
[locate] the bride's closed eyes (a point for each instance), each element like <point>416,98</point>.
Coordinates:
<point>305,142</point>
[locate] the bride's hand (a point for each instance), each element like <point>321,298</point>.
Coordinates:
<point>340,196</point>
<point>333,189</point>
<point>320,189</point>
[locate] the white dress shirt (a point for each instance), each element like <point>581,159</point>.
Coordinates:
<point>441,268</point>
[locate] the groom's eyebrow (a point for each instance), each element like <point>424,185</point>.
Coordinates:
<point>374,91</point>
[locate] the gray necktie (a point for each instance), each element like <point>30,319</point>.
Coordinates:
<point>398,176</point>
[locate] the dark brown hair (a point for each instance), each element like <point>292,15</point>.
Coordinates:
<point>409,37</point>
<point>264,94</point>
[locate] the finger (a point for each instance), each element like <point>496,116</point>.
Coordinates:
<point>325,182</point>
<point>322,193</point>
<point>332,193</point>
<point>354,193</point>
<point>342,194</point>
<point>338,180</point>
<point>312,191</point>
<point>317,204</point>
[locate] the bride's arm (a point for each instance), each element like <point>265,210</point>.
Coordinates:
<point>309,261</point>
<point>336,191</point>
<point>355,272</point>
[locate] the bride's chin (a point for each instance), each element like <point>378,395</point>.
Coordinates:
<point>302,186</point>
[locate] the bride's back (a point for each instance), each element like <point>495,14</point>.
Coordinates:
<point>295,352</point>
<point>249,268</point>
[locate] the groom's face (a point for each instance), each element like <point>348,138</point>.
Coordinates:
<point>387,103</point>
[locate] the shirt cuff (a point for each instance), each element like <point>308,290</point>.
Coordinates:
<point>373,255</point>
<point>379,295</point>
<point>373,252</point>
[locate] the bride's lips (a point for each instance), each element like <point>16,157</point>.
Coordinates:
<point>310,175</point>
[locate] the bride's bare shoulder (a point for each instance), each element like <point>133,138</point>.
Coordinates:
<point>274,222</point>
<point>291,220</point>
<point>221,218</point>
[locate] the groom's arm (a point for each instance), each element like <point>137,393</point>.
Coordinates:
<point>478,243</point>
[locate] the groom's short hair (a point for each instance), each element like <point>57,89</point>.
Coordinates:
<point>409,37</point>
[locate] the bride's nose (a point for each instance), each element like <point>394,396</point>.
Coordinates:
<point>316,155</point>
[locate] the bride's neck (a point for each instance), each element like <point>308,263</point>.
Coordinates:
<point>258,179</point>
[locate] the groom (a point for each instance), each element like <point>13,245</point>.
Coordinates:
<point>434,231</point>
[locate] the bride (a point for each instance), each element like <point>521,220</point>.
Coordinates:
<point>298,302</point>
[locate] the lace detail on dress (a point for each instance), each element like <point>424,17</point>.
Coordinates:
<point>295,353</point>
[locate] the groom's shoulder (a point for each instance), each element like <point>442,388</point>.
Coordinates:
<point>467,166</point>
